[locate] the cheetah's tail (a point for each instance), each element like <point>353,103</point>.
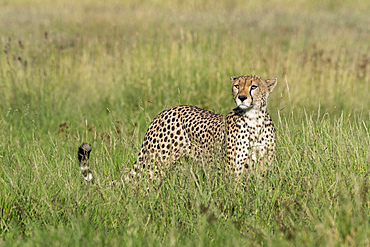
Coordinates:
<point>83,156</point>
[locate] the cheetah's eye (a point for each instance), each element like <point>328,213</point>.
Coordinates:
<point>237,86</point>
<point>253,87</point>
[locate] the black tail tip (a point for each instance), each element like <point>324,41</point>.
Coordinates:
<point>84,151</point>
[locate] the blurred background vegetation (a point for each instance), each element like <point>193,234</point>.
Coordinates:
<point>61,61</point>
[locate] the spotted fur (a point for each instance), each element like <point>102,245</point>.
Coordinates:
<point>251,135</point>
<point>243,137</point>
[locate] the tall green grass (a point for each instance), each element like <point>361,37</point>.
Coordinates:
<point>73,72</point>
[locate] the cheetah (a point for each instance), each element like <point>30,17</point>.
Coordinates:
<point>243,137</point>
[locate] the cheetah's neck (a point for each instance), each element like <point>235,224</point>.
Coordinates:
<point>253,114</point>
<point>253,118</point>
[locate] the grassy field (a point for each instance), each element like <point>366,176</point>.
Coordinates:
<point>100,71</point>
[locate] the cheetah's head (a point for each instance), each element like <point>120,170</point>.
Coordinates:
<point>251,92</point>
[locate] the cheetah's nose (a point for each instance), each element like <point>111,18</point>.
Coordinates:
<point>242,97</point>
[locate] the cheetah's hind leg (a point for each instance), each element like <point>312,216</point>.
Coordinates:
<point>83,156</point>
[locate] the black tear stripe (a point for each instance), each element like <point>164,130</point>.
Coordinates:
<point>250,93</point>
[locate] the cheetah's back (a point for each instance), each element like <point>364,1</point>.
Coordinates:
<point>181,130</point>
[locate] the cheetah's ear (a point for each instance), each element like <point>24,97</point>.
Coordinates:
<point>233,78</point>
<point>271,83</point>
